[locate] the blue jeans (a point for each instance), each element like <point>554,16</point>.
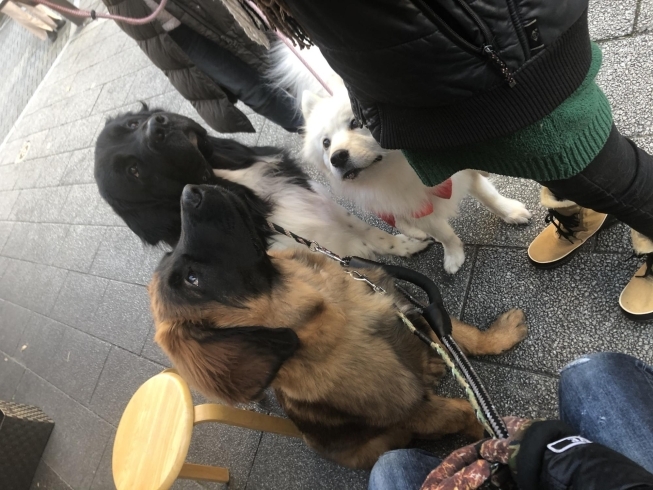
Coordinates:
<point>238,79</point>
<point>606,397</point>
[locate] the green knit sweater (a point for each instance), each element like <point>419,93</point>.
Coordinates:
<point>558,146</point>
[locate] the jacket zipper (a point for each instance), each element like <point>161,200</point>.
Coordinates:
<point>519,28</point>
<point>486,50</point>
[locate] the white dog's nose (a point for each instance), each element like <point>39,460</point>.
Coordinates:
<point>339,158</point>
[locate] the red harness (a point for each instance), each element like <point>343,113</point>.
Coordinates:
<point>443,191</point>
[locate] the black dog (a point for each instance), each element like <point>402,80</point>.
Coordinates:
<point>144,159</point>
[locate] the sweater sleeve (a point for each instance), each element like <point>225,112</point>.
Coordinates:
<point>573,463</point>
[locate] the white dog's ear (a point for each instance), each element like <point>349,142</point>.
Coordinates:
<point>309,101</point>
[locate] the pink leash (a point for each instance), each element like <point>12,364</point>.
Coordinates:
<point>146,20</point>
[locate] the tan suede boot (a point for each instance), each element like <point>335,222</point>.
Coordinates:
<point>570,226</point>
<point>636,299</point>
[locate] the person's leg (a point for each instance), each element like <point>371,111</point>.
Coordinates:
<point>608,398</point>
<point>617,182</point>
<point>240,79</point>
<point>402,469</point>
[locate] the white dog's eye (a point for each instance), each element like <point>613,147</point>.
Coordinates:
<point>353,124</point>
<point>326,142</point>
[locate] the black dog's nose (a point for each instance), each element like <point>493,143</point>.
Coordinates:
<point>192,195</point>
<point>155,128</point>
<point>339,158</point>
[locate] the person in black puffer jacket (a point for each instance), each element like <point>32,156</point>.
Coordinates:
<point>505,86</point>
<point>211,61</point>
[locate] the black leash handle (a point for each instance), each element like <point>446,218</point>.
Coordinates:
<point>439,320</point>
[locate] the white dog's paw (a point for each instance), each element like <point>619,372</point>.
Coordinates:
<point>515,213</point>
<point>407,246</point>
<point>453,260</point>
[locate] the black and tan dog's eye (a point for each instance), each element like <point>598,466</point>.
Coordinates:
<point>353,124</point>
<point>133,170</point>
<point>192,279</point>
<point>133,124</point>
<point>326,142</point>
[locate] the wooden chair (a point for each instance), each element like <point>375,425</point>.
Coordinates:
<point>155,431</point>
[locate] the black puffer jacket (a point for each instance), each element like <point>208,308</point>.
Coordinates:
<point>430,74</point>
<point>212,20</point>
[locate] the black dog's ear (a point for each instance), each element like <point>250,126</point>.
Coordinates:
<point>234,364</point>
<point>144,106</point>
<point>154,225</point>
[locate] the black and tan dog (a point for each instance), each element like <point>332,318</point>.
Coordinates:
<point>236,318</point>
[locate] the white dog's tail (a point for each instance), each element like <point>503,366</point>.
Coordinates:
<point>288,72</point>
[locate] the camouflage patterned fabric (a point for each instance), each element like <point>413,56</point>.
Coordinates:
<point>469,467</point>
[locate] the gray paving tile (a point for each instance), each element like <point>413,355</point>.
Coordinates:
<point>80,297</point>
<point>40,205</point>
<point>80,204</point>
<point>282,462</point>
<point>113,94</point>
<point>80,134</point>
<point>35,242</point>
<point>614,239</point>
<point>645,19</point>
<point>40,294</point>
<point>100,51</point>
<point>79,247</point>
<point>123,317</point>
<point>16,279</point>
<point>153,352</point>
<point>7,201</point>
<point>624,79</point>
<point>148,82</point>
<point>170,101</point>
<point>75,366</point>
<point>41,338</point>
<point>429,263</point>
<point>52,169</point>
<point>124,257</point>
<point>8,176</point>
<point>229,447</point>
<point>79,436</point>
<point>571,310</point>
<point>10,151</point>
<point>11,374</point>
<point>273,135</point>
<point>123,374</point>
<point>13,319</point>
<point>5,230</point>
<point>46,479</point>
<point>28,173</point>
<point>477,225</point>
<point>609,18</point>
<point>104,215</point>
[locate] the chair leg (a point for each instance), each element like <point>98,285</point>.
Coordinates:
<point>211,412</point>
<point>201,472</point>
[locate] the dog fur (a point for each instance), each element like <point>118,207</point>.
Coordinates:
<point>378,181</point>
<point>144,159</point>
<point>236,318</point>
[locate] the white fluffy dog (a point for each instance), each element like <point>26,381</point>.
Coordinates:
<point>380,181</point>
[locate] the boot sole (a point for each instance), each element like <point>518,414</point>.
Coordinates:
<point>637,318</point>
<point>609,221</point>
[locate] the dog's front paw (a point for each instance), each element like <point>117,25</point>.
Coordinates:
<point>507,331</point>
<point>516,213</point>
<point>453,260</point>
<point>407,246</point>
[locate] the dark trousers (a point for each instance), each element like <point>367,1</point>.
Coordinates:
<point>619,182</point>
<point>239,79</point>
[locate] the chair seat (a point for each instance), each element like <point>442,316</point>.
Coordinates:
<point>154,435</point>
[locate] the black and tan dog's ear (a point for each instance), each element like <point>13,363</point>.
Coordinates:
<point>233,364</point>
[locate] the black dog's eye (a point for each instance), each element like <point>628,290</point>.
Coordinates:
<point>134,171</point>
<point>326,142</point>
<point>133,124</point>
<point>192,279</point>
<point>353,124</point>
